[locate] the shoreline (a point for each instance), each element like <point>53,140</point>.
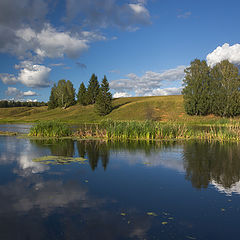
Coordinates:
<point>200,139</point>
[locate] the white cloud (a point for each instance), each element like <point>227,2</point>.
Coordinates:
<point>8,78</point>
<point>14,92</point>
<point>139,9</point>
<point>224,52</point>
<point>29,93</point>
<point>166,91</point>
<point>33,75</point>
<point>121,94</point>
<point>52,43</point>
<point>150,81</point>
<point>30,74</point>
<point>17,94</point>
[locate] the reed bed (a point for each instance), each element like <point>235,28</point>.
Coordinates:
<point>136,130</point>
<point>50,129</point>
<point>150,130</point>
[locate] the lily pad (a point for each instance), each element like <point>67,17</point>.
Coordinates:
<point>151,214</point>
<point>59,160</point>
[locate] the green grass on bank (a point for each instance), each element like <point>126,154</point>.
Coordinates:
<point>160,108</point>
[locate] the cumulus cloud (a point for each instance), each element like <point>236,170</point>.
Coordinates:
<point>167,91</point>
<point>29,93</point>
<point>108,13</point>
<point>224,52</point>
<point>121,94</point>
<point>13,92</point>
<point>27,34</point>
<point>30,74</point>
<point>50,42</point>
<point>13,15</point>
<point>150,81</point>
<point>17,94</point>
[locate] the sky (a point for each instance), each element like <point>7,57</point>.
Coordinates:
<point>142,46</point>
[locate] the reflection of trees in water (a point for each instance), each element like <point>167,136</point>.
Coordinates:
<point>57,147</point>
<point>94,151</point>
<point>146,146</point>
<point>205,162</point>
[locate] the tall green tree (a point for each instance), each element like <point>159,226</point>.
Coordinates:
<point>104,99</point>
<point>52,103</point>
<point>197,91</point>
<point>62,95</point>
<point>70,95</point>
<point>92,90</point>
<point>82,95</point>
<point>226,85</point>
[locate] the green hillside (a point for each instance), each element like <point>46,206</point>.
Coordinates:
<point>160,108</point>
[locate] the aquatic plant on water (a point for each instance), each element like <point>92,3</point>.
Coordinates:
<point>59,160</point>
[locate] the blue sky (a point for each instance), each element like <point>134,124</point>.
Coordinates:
<point>142,46</point>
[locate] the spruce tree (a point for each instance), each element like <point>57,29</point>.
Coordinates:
<point>226,81</point>
<point>92,90</point>
<point>104,99</point>
<point>70,94</point>
<point>82,95</point>
<point>197,91</point>
<point>52,103</point>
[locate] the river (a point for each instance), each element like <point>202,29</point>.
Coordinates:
<point>130,190</point>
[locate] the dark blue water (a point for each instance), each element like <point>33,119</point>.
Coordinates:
<point>133,190</point>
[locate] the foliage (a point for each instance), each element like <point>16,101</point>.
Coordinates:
<point>12,104</point>
<point>103,103</point>
<point>212,90</point>
<point>52,103</point>
<point>92,90</point>
<point>50,129</point>
<point>82,95</point>
<point>197,88</point>
<point>226,80</point>
<point>62,95</point>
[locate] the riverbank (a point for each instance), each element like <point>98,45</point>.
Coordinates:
<point>162,109</point>
<point>131,130</point>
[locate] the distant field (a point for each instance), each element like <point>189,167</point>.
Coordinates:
<point>160,108</point>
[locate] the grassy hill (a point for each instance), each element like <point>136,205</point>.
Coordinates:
<point>160,108</point>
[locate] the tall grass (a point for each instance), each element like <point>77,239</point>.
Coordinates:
<point>150,130</point>
<point>136,130</point>
<point>147,130</point>
<point>50,129</point>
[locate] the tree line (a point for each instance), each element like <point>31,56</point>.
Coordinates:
<point>8,104</point>
<point>63,95</point>
<point>212,90</point>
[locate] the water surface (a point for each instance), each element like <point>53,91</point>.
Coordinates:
<point>132,190</point>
